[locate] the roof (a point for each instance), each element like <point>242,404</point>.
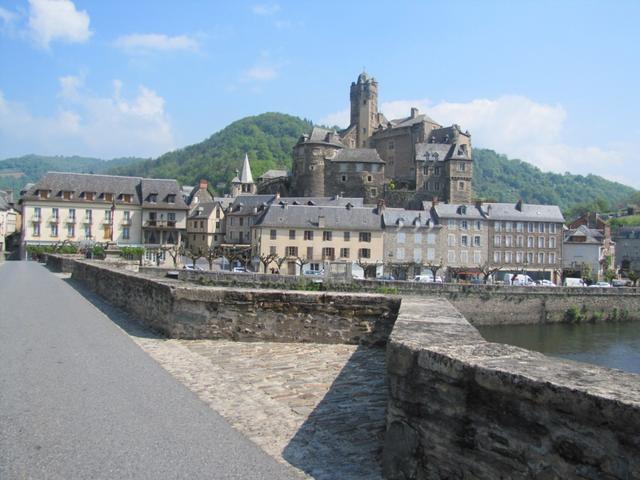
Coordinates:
<point>455,210</point>
<point>399,217</point>
<point>527,212</point>
<point>245,174</point>
<point>410,121</point>
<point>303,216</point>
<point>322,135</point>
<point>629,233</point>
<point>432,151</point>
<point>323,201</point>
<point>164,189</point>
<point>269,174</point>
<point>592,236</point>
<point>362,155</point>
<point>203,210</point>
<point>245,204</point>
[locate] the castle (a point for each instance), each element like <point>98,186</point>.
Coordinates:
<point>376,158</point>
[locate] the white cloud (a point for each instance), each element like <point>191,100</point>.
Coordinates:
<point>143,43</point>
<point>261,73</point>
<point>265,9</point>
<point>51,20</point>
<point>518,127</point>
<point>88,124</point>
<point>7,16</point>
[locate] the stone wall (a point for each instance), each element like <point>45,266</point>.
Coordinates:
<point>181,310</point>
<point>461,407</point>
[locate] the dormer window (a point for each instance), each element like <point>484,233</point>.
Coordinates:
<point>171,198</point>
<point>67,195</point>
<point>43,194</point>
<point>152,198</point>
<point>88,195</point>
<point>108,197</point>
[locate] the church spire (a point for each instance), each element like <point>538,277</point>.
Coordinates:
<point>245,175</point>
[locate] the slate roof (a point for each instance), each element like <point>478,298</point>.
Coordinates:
<point>529,212</point>
<point>339,218</point>
<point>245,204</point>
<point>322,135</point>
<point>245,173</point>
<point>399,217</point>
<point>454,210</point>
<point>323,201</point>
<point>592,236</point>
<point>203,210</point>
<point>140,188</point>
<point>629,233</point>
<point>436,151</point>
<point>410,121</point>
<point>360,155</point>
<point>270,174</point>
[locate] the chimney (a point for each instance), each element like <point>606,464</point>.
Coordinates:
<point>479,204</point>
<point>414,112</point>
<point>380,206</point>
<point>519,205</point>
<point>203,184</point>
<point>434,201</point>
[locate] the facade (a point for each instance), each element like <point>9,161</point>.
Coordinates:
<point>414,153</point>
<point>102,208</point>
<point>463,245</point>
<point>307,236</point>
<point>412,241</point>
<point>243,182</point>
<point>9,221</point>
<point>585,253</point>
<point>628,249</point>
<point>526,238</point>
<point>206,226</point>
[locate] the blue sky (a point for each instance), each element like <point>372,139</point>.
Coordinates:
<point>554,83</point>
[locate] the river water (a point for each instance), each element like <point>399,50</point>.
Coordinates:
<point>613,345</point>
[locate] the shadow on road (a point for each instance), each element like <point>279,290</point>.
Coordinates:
<point>343,436</point>
<point>117,316</point>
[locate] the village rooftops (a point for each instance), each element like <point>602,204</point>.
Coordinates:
<point>312,217</point>
<point>399,217</point>
<point>358,155</point>
<point>584,234</point>
<point>518,211</point>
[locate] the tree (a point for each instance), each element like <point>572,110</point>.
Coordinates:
<point>279,261</point>
<point>487,270</point>
<point>174,251</point>
<point>267,259</point>
<point>194,254</point>
<point>211,253</point>
<point>434,267</point>
<point>609,274</point>
<point>633,275</point>
<point>368,267</point>
<point>301,262</point>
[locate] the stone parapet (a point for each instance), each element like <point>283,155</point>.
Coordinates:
<point>461,407</point>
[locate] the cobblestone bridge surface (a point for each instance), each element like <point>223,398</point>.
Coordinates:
<point>318,408</point>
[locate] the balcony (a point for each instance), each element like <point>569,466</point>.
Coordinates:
<point>70,220</point>
<point>87,220</point>
<point>126,222</point>
<point>106,221</point>
<point>160,223</point>
<point>54,219</point>
<point>36,218</point>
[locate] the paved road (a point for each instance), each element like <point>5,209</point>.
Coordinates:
<point>79,400</point>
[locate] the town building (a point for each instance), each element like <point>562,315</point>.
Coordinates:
<point>10,220</point>
<point>586,253</point>
<point>627,255</point>
<point>375,157</point>
<point>88,208</point>
<point>412,242</point>
<point>305,237</point>
<point>525,238</point>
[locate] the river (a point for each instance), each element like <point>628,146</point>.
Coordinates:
<point>613,345</point>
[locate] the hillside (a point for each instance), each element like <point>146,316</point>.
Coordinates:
<point>16,172</point>
<point>267,138</point>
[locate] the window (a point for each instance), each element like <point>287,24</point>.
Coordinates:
<point>347,236</point>
<point>400,253</point>
<point>451,240</point>
<point>476,241</point>
<point>54,229</point>
<point>125,233</point>
<point>55,213</point>
<point>552,241</point>
<point>462,166</point>
<point>497,226</point>
<point>44,194</point>
<point>328,253</point>
<point>460,185</point>
<point>541,257</point>
<point>401,237</point>
<point>552,258</point>
<point>292,251</point>
<point>464,257</point>
<point>417,238</point>
<point>107,216</point>
<point>530,257</point>
<point>507,241</point>
<point>464,241</point>
<point>72,214</point>
<point>391,145</point>
<point>364,237</point>
<point>552,229</point>
<point>364,253</point>
<point>217,224</point>
<point>292,234</point>
<point>308,234</point>
<point>541,227</point>
<point>344,178</point>
<point>108,197</point>
<point>451,223</point>
<point>417,255</point>
<point>520,241</point>
<point>431,253</point>
<point>309,253</point>
<point>67,195</point>
<point>273,234</point>
<point>477,257</point>
<point>127,215</point>
<point>37,214</point>
<point>541,241</point>
<point>508,257</point>
<point>87,231</point>
<point>509,227</point>
<point>497,257</point>
<point>369,178</point>
<point>451,256</point>
<point>497,241</point>
<point>171,198</point>
<point>153,197</point>
<point>88,215</point>
<point>437,171</point>
<point>327,236</point>
<point>36,230</point>
<point>431,238</point>
<point>273,250</point>
<point>478,225</point>
<point>344,253</point>
<point>71,230</point>
<point>464,225</point>
<point>241,221</point>
<point>530,242</point>
<point>530,227</point>
<point>518,257</point>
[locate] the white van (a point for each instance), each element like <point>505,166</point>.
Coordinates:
<point>427,278</point>
<point>573,282</point>
<point>522,279</point>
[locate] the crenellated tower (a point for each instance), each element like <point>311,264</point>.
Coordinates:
<point>364,108</point>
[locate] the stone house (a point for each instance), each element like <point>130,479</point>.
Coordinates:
<point>585,252</point>
<point>9,221</point>
<point>627,241</point>
<point>309,236</point>
<point>412,242</point>
<point>206,226</point>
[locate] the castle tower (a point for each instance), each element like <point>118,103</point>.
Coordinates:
<point>243,181</point>
<point>364,108</point>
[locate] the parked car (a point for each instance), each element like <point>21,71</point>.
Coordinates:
<point>601,285</point>
<point>427,278</point>
<point>621,282</point>
<point>193,268</point>
<point>574,282</point>
<point>239,270</point>
<point>386,277</point>
<point>546,283</point>
<point>313,272</point>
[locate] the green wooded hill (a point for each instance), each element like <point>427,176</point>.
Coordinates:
<point>15,173</point>
<point>268,139</point>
